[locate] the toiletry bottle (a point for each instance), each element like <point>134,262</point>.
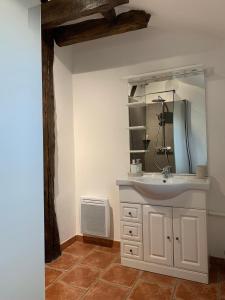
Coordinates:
<point>201,172</point>
<point>139,166</point>
<point>133,167</point>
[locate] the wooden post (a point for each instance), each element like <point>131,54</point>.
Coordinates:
<point>52,242</point>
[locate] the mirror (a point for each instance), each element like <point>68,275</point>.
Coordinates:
<point>167,123</point>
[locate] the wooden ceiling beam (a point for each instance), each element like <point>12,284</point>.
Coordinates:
<point>110,15</point>
<point>58,12</point>
<point>99,28</point>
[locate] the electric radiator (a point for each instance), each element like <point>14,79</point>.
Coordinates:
<point>95,217</point>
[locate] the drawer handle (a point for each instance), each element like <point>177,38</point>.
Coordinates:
<point>131,232</point>
<point>131,251</point>
<point>168,238</point>
<point>177,238</point>
<point>130,213</point>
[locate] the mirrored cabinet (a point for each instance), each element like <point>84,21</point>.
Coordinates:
<point>167,122</point>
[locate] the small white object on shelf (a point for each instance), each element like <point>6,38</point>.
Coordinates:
<point>137,128</point>
<point>133,167</point>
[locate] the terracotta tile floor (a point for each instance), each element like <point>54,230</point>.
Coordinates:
<point>88,272</point>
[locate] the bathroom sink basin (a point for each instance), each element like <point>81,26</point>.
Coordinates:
<point>156,187</point>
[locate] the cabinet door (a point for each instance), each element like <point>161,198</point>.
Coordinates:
<point>190,239</point>
<point>158,237</point>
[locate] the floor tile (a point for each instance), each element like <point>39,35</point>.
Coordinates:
<point>81,265</point>
<point>159,279</point>
<point>64,262</point>
<point>80,249</point>
<point>99,259</point>
<point>105,291</point>
<point>51,275</point>
<point>81,276</point>
<point>187,290</point>
<point>117,260</point>
<point>151,291</point>
<point>61,291</point>
<point>121,275</point>
<point>115,250</point>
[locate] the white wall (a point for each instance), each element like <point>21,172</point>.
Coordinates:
<point>101,118</point>
<point>21,160</point>
<point>140,47</point>
<point>101,139</point>
<point>64,177</point>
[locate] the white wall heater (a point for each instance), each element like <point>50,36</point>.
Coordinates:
<point>95,217</point>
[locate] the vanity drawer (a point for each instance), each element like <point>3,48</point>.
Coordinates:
<point>131,212</point>
<point>131,231</point>
<point>132,250</point>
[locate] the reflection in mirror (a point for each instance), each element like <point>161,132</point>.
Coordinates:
<point>167,123</point>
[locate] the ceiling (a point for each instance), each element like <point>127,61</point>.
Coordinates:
<point>199,15</point>
<point>177,28</point>
<point>206,16</point>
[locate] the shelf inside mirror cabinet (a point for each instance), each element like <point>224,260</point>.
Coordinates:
<point>137,128</point>
<point>136,104</point>
<point>138,151</point>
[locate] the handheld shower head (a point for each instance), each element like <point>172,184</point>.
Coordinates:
<point>159,100</point>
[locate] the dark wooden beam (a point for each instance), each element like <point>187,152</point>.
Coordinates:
<point>52,244</point>
<point>110,15</point>
<point>99,28</point>
<point>57,12</point>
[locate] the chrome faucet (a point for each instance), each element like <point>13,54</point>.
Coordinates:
<point>167,172</point>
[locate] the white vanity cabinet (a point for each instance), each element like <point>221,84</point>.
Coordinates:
<point>167,237</point>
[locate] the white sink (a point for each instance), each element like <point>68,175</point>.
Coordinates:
<point>154,186</point>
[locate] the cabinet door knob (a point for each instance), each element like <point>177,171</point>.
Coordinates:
<point>131,251</point>
<point>130,213</point>
<point>130,232</point>
<point>168,237</point>
<point>177,238</point>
